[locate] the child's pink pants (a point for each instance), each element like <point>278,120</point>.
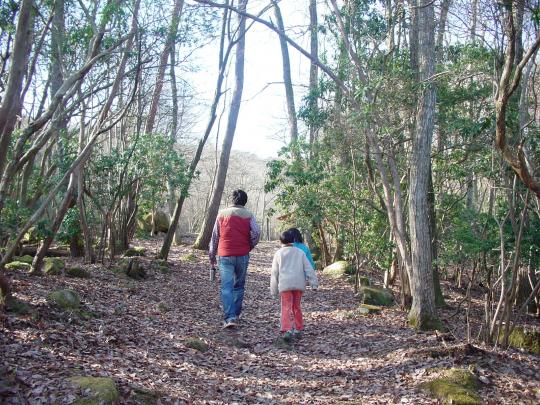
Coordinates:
<point>291,313</point>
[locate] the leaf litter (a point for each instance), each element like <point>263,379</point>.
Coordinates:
<point>135,332</point>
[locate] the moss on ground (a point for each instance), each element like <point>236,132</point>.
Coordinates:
<point>189,257</point>
<point>102,390</point>
<point>456,386</point>
<point>197,344</point>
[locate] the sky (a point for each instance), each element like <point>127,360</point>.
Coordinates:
<point>262,126</point>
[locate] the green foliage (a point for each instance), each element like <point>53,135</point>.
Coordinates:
<point>149,163</point>
<point>318,190</point>
<point>70,227</point>
<point>8,9</point>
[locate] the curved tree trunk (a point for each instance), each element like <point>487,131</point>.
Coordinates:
<point>206,230</point>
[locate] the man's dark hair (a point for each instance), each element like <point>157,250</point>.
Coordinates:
<point>239,197</point>
<point>286,237</point>
<point>297,235</point>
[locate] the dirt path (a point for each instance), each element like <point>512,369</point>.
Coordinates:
<point>138,334</point>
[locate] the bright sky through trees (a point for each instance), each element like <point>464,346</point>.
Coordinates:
<point>262,124</point>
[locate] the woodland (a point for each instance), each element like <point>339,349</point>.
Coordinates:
<point>411,166</point>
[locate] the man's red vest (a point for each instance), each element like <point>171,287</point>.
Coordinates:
<point>234,231</point>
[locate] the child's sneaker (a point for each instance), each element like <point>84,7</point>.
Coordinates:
<point>288,336</point>
<point>297,334</point>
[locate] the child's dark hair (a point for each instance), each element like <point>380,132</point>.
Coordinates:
<point>286,237</point>
<point>239,197</point>
<point>297,235</point>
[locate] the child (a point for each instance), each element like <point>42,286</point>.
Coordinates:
<point>299,243</point>
<point>290,270</point>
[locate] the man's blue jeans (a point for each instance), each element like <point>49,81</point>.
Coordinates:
<point>233,270</point>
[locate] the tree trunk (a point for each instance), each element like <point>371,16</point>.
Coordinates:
<point>11,104</point>
<point>508,83</point>
<point>206,230</point>
<point>222,65</point>
<point>11,101</point>
<point>171,38</point>
<point>313,70</point>
<point>423,314</point>
<point>289,93</point>
<point>174,130</point>
<point>439,299</point>
<point>89,256</point>
<point>67,203</point>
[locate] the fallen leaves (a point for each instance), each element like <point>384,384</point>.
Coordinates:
<point>138,334</point>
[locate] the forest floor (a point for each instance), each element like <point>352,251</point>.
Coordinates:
<point>139,333</point>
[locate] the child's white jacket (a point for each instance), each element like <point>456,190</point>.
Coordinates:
<point>290,270</point>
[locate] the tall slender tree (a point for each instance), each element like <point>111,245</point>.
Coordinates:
<point>423,313</point>
<point>205,233</point>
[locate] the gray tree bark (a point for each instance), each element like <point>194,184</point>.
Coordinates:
<point>206,229</point>
<point>11,104</point>
<point>423,313</point>
<point>313,69</point>
<point>224,54</point>
<point>289,92</point>
<point>171,37</point>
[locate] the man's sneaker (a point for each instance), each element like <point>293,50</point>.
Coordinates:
<point>229,323</point>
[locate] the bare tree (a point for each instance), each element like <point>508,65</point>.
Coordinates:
<point>289,92</point>
<point>206,229</point>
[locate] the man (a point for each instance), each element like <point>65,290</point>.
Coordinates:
<point>234,235</point>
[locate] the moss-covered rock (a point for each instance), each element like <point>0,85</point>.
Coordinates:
<point>525,339</point>
<point>160,265</point>
<point>189,257</point>
<point>163,307</point>
<point>18,265</point>
<point>77,272</point>
<point>365,281</point>
<point>101,390</point>
<point>134,269</point>
<point>376,296</point>
<point>366,309</point>
<point>144,397</point>
<point>18,307</point>
<point>161,219</point>
<point>338,269</point>
<point>197,344</point>
<point>64,299</point>
<point>135,251</point>
<point>53,266</point>
<point>456,386</point>
<point>31,236</point>
<point>25,259</point>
